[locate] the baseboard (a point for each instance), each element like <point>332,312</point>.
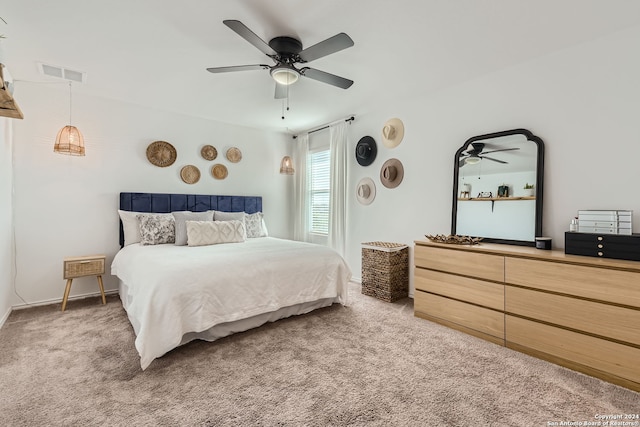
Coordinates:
<point>5,317</point>
<point>357,280</point>
<point>59,300</point>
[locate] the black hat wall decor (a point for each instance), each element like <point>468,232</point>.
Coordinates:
<point>366,151</point>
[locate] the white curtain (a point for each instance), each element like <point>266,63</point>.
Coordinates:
<point>338,199</point>
<point>301,205</point>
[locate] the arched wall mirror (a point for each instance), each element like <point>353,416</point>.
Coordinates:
<point>491,194</point>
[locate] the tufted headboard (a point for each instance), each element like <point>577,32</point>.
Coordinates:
<point>165,203</point>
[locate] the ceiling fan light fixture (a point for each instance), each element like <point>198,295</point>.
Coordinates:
<point>285,75</point>
<point>472,160</point>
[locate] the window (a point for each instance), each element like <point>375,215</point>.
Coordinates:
<point>319,191</point>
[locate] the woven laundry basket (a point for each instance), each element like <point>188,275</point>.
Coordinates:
<point>385,270</point>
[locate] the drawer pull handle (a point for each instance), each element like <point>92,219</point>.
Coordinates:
<point>599,253</point>
<point>85,262</point>
<point>599,246</point>
<point>599,237</point>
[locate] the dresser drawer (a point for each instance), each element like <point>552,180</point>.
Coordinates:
<point>482,266</point>
<point>601,319</point>
<point>79,267</point>
<point>470,316</point>
<point>622,287</point>
<point>604,356</point>
<point>475,291</point>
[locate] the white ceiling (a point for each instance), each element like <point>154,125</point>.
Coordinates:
<point>154,52</point>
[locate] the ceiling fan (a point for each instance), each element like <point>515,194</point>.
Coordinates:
<point>475,153</point>
<point>286,52</point>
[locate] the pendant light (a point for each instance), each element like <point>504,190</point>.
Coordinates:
<point>286,166</point>
<point>69,140</point>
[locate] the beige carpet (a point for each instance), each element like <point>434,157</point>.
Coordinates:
<point>370,364</point>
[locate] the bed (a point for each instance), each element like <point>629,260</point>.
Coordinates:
<point>174,294</point>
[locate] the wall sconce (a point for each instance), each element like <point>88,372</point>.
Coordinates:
<point>286,166</point>
<point>69,139</point>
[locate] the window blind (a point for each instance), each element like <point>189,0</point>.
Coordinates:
<point>319,192</point>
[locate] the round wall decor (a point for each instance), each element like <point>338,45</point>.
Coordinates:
<point>190,174</point>
<point>161,154</point>
<point>209,152</point>
<point>234,155</point>
<point>219,171</point>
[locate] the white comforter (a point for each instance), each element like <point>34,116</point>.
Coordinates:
<point>174,290</point>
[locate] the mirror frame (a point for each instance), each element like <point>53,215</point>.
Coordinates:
<point>539,184</point>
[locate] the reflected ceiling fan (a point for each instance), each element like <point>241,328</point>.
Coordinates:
<point>475,153</point>
<point>286,52</point>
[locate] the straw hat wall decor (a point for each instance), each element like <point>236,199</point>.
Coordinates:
<point>161,154</point>
<point>366,151</point>
<point>391,173</point>
<point>392,133</point>
<point>366,191</point>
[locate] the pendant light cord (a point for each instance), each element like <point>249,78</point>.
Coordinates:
<point>69,103</point>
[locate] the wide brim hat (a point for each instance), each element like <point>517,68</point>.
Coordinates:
<point>366,150</point>
<point>161,154</point>
<point>366,191</point>
<point>392,133</point>
<point>391,173</point>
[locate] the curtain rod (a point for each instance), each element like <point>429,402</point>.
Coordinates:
<point>350,119</point>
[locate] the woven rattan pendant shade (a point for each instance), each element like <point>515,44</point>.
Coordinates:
<point>69,141</point>
<point>286,166</point>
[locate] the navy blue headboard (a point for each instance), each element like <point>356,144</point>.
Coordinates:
<point>165,203</point>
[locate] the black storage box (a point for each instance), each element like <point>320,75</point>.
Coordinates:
<point>617,246</point>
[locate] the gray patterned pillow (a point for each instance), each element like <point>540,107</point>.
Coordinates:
<point>254,225</point>
<point>181,223</point>
<point>157,229</point>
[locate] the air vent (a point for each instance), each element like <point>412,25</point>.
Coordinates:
<point>62,73</point>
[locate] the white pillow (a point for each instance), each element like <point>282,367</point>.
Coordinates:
<point>131,225</point>
<point>201,233</point>
<point>254,223</point>
<point>181,223</point>
<point>157,229</point>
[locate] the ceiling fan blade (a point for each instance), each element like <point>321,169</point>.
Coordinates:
<point>327,47</point>
<point>325,77</point>
<point>238,68</point>
<point>492,159</point>
<point>502,149</point>
<point>244,32</point>
<point>281,91</point>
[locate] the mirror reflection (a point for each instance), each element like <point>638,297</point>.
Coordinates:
<point>498,187</point>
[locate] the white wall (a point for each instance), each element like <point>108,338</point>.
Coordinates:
<point>66,206</point>
<point>6,246</point>
<point>583,102</point>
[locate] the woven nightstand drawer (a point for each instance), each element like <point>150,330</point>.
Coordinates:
<point>83,266</point>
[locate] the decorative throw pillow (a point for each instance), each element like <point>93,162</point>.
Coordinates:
<point>228,216</point>
<point>201,233</point>
<point>181,223</point>
<point>254,223</point>
<point>131,225</point>
<point>157,229</point>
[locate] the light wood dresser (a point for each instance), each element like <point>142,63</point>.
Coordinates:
<point>576,311</point>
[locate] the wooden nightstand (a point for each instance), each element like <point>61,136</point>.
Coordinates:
<point>83,266</point>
